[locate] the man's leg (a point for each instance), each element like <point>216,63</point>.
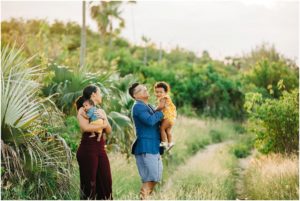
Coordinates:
<point>146,190</point>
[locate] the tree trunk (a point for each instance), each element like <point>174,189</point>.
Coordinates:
<point>83,36</point>
<point>145,56</point>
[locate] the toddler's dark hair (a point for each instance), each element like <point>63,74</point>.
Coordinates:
<point>163,85</point>
<point>90,101</point>
<point>80,100</point>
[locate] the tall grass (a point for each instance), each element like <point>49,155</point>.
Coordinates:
<point>274,177</point>
<point>208,175</point>
<point>125,177</point>
<point>193,134</point>
<point>190,135</point>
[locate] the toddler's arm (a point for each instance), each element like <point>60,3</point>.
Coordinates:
<point>161,104</point>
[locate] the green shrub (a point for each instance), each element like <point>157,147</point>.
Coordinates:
<point>216,136</point>
<point>194,145</point>
<point>275,121</point>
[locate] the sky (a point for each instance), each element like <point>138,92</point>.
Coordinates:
<point>223,28</point>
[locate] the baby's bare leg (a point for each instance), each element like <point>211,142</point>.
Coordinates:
<point>163,130</point>
<point>99,137</point>
<point>93,135</point>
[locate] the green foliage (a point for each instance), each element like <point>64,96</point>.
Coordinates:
<point>66,86</point>
<point>265,75</point>
<point>216,136</point>
<point>205,86</point>
<point>195,144</point>
<point>28,152</point>
<point>275,121</point>
<point>242,148</point>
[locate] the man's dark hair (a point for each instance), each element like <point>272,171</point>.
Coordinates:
<point>131,89</point>
<point>163,85</point>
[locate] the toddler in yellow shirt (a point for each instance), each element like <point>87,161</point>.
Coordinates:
<point>161,92</point>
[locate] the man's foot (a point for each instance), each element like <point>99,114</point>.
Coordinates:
<point>170,146</point>
<point>164,144</point>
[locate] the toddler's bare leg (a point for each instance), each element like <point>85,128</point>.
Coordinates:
<point>169,135</point>
<point>93,135</point>
<point>163,127</point>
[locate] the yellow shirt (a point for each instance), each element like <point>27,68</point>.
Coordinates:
<point>170,110</point>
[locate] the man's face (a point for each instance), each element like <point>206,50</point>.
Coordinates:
<point>141,92</point>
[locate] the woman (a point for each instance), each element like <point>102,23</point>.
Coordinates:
<point>94,167</point>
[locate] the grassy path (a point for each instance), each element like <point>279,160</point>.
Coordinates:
<point>198,154</point>
<point>242,167</point>
<point>207,175</point>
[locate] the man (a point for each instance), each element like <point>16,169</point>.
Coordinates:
<point>146,147</point>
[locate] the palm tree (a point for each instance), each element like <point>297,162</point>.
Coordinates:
<point>105,13</point>
<point>67,85</point>
<point>27,150</point>
<point>146,42</point>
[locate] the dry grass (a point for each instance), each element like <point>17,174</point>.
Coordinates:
<point>208,175</point>
<point>186,133</point>
<point>125,177</point>
<point>273,177</point>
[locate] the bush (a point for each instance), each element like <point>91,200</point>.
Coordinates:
<point>195,144</point>
<point>216,136</point>
<point>241,151</point>
<point>275,122</point>
<point>243,147</point>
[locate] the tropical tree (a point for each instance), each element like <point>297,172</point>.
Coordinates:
<point>146,43</point>
<point>107,14</point>
<point>28,152</point>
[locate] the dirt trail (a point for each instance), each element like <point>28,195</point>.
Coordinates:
<point>195,161</point>
<point>243,165</point>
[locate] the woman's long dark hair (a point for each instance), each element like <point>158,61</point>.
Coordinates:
<point>89,90</point>
<point>87,93</point>
<point>79,102</point>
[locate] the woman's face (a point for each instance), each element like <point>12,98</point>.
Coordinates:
<point>97,97</point>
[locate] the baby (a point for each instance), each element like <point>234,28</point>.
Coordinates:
<point>161,92</point>
<point>90,109</point>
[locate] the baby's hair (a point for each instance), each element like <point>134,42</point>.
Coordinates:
<point>80,100</point>
<point>90,102</point>
<point>163,85</point>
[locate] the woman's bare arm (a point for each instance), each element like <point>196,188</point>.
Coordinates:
<point>86,126</point>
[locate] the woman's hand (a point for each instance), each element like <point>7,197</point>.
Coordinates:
<point>84,124</point>
<point>100,113</point>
